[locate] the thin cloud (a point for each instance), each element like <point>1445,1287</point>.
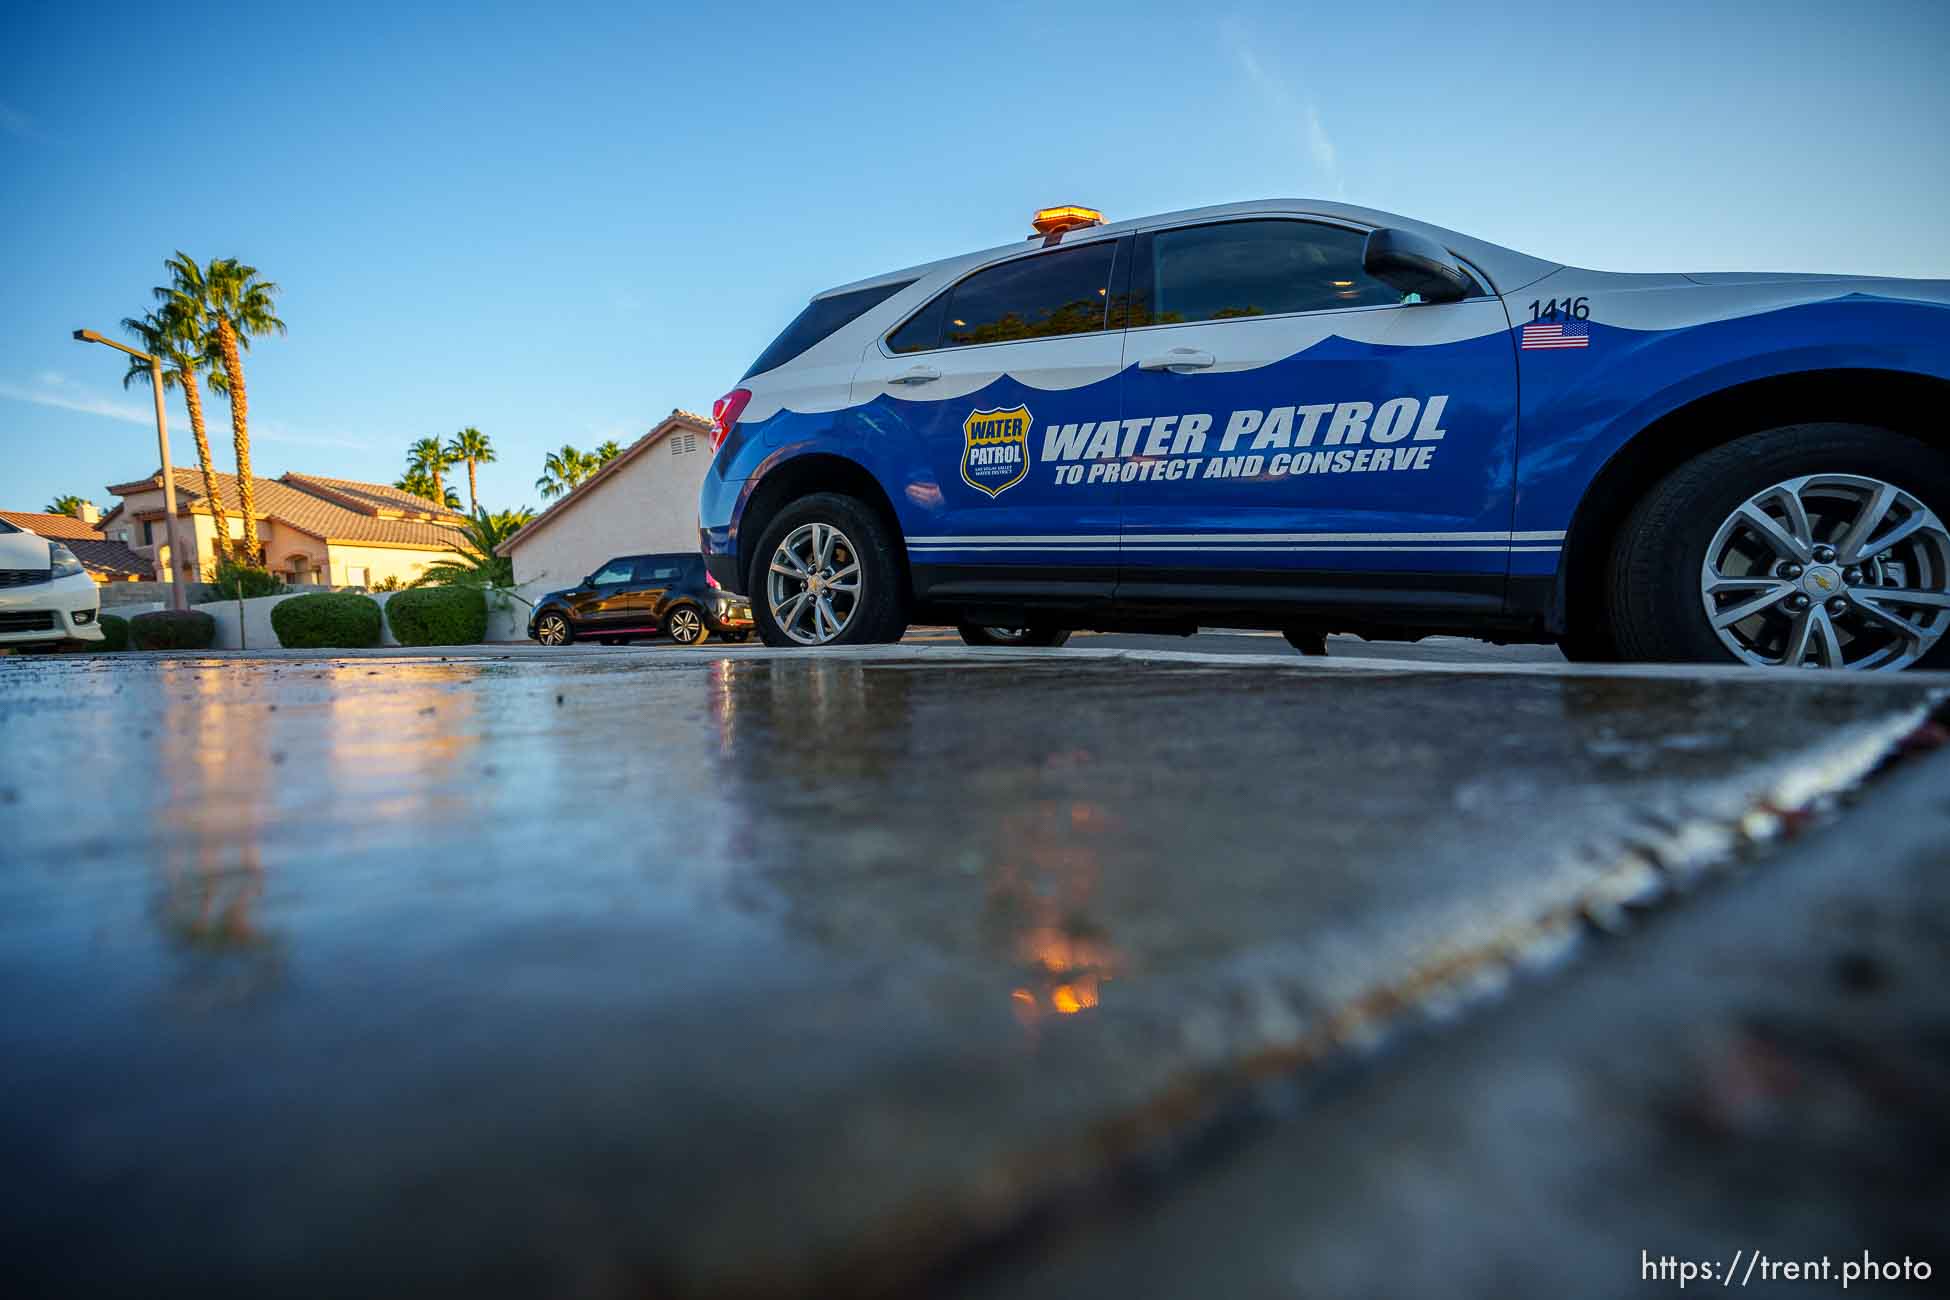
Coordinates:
<point>58,391</point>
<point>65,396</point>
<point>1289,104</point>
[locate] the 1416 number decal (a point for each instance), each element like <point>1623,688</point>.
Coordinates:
<point>1570,308</point>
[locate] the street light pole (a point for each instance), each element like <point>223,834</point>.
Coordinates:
<point>178,592</point>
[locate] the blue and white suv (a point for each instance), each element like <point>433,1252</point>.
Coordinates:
<point>1320,418</point>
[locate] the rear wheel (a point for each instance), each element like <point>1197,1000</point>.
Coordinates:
<point>553,629</point>
<point>685,626</point>
<point>1817,546</point>
<point>828,573</point>
<point>974,634</point>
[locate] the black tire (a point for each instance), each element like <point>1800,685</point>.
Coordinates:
<point>1305,640</point>
<point>974,634</point>
<point>880,615</point>
<point>550,620</point>
<point>686,626</point>
<point>1652,584</point>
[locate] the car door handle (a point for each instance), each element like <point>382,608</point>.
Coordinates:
<point>1179,359</point>
<point>918,375</point>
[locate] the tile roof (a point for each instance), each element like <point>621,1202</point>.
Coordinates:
<point>58,527</point>
<point>377,496</point>
<point>338,510</point>
<point>115,560</point>
<point>676,420</point>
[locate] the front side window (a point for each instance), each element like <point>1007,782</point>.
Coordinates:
<point>613,572</point>
<point>1046,296</point>
<point>1239,269</point>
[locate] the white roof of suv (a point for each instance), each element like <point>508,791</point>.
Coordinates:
<point>1507,269</point>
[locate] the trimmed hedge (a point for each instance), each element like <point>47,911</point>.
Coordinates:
<point>326,620</point>
<point>172,629</point>
<point>438,615</point>
<point>115,632</point>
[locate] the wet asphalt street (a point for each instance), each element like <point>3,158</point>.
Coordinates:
<point>643,971</point>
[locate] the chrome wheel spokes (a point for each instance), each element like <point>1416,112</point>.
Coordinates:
<point>1829,571</point>
<point>814,583</point>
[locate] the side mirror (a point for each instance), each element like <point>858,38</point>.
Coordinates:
<point>1415,264</point>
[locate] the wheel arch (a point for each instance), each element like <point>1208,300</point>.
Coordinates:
<point>803,476</point>
<point>1892,399</point>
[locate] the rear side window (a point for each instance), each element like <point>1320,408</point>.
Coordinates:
<point>1045,296</point>
<point>820,318</point>
<point>660,568</point>
<point>1240,269</point>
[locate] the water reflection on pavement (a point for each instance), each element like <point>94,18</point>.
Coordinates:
<point>782,973</point>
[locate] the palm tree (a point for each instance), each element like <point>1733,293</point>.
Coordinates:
<point>229,306</point>
<point>429,457</point>
<point>608,452</point>
<point>420,484</point>
<point>479,566</point>
<point>171,337</point>
<point>564,471</point>
<point>68,505</point>
<point>472,446</point>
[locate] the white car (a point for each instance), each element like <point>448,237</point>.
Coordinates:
<point>46,597</point>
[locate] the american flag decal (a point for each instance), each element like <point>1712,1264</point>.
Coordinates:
<point>1573,334</point>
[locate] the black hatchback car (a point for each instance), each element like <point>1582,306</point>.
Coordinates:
<point>642,595</point>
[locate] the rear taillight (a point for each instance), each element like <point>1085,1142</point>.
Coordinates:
<point>725,412</point>
<point>710,581</point>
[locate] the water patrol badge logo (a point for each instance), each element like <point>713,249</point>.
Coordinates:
<point>996,456</point>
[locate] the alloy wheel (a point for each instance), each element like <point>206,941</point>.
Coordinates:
<point>814,584</point>
<point>553,629</point>
<point>1838,571</point>
<point>685,626</point>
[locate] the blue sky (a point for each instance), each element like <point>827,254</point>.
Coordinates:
<point>557,223</point>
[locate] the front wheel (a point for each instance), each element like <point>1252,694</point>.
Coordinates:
<point>553,629</point>
<point>1811,546</point>
<point>973,634</point>
<point>828,573</point>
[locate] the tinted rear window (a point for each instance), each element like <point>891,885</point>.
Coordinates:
<point>1030,298</point>
<point>820,318</point>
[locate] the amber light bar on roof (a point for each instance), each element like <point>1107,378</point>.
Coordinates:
<point>1054,221</point>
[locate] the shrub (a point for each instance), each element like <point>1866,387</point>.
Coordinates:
<point>438,615</point>
<point>236,581</point>
<point>115,632</point>
<point>172,629</point>
<point>329,620</point>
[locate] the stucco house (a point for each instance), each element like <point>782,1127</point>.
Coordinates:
<point>106,559</point>
<point>330,531</point>
<point>644,499</point>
